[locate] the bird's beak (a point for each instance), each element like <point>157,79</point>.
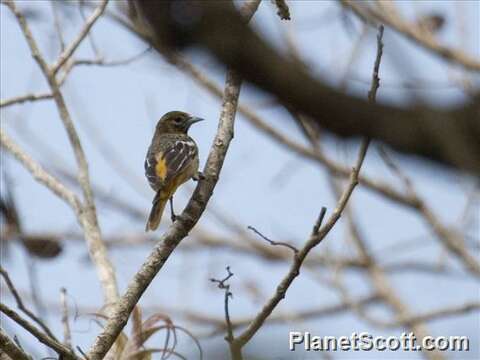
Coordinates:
<point>193,119</point>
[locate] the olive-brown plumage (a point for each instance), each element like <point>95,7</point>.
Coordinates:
<point>171,160</point>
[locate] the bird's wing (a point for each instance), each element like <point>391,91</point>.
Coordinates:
<point>178,157</point>
<point>163,166</point>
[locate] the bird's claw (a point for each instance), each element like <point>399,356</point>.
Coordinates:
<point>198,176</point>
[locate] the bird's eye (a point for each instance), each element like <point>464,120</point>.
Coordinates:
<point>178,120</point>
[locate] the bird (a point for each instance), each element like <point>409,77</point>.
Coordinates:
<point>171,160</point>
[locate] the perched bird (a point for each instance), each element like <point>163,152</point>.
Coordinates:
<point>171,160</point>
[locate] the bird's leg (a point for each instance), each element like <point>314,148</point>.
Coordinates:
<point>198,176</point>
<point>172,214</point>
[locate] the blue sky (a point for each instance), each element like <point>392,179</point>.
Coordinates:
<point>261,184</point>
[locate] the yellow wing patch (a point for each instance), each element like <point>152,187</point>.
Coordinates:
<point>161,167</point>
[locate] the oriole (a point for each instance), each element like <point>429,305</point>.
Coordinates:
<point>171,160</point>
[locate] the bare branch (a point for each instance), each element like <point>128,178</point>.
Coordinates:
<point>28,36</point>
<point>24,98</point>
<point>21,306</point>
<point>40,174</point>
<point>450,238</point>
<point>221,284</point>
<point>68,52</point>
<point>318,223</point>
<point>112,63</point>
<point>11,349</point>
<point>318,234</point>
<point>43,338</point>
<point>372,94</point>
<point>274,243</point>
<point>437,314</point>
<point>313,241</point>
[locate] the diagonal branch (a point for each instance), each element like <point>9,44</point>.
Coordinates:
<point>450,238</point>
<point>20,304</point>
<point>43,338</point>
<point>11,349</point>
<point>39,173</point>
<point>24,98</point>
<point>317,236</point>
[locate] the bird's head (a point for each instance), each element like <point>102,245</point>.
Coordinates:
<point>177,122</point>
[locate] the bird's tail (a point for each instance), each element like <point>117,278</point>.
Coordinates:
<point>159,203</point>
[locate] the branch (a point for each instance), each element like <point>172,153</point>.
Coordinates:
<point>185,222</point>
<point>318,234</point>
<point>113,63</point>
<point>24,98</point>
<point>69,50</point>
<point>377,276</point>
<point>221,284</point>
<point>11,349</point>
<point>274,243</point>
<point>43,338</point>
<point>302,315</point>
<point>437,314</point>
<point>40,174</point>
<point>450,238</point>
<point>20,304</point>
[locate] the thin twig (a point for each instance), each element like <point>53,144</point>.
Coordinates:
<point>318,223</point>
<point>25,98</point>
<point>113,63</point>
<point>274,243</point>
<point>221,284</point>
<point>450,238</point>
<point>70,49</point>
<point>40,174</point>
<point>91,40</point>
